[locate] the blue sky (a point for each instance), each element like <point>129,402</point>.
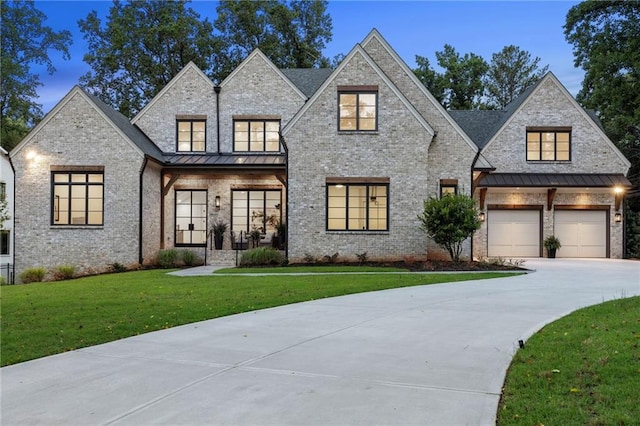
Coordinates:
<point>411,27</point>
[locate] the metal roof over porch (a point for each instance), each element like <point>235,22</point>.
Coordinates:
<point>556,180</point>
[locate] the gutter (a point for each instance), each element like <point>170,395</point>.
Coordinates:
<point>141,187</point>
<point>286,154</point>
<point>217,89</point>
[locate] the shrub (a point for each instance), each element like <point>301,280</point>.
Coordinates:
<point>362,257</point>
<point>63,272</point>
<point>262,256</point>
<point>190,258</point>
<point>168,258</point>
<point>117,267</point>
<point>32,275</point>
<point>308,258</point>
<point>331,258</point>
<point>3,281</point>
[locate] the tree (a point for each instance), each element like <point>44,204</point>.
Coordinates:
<point>462,78</point>
<point>450,220</point>
<point>510,73</point>
<point>25,42</point>
<point>142,46</point>
<point>606,43</point>
<point>291,34</point>
<point>431,79</point>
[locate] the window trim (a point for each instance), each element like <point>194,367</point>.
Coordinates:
<point>175,217</point>
<point>256,119</point>
<point>358,90</point>
<point>448,183</point>
<point>347,182</point>
<point>264,205</point>
<point>71,170</point>
<point>190,120</point>
<point>555,131</point>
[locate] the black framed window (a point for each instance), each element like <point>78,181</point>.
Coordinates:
<point>191,135</point>
<point>357,109</point>
<point>78,198</point>
<point>256,209</point>
<point>256,135</point>
<point>548,145</point>
<point>4,241</point>
<point>357,207</point>
<point>448,189</point>
<point>191,217</point>
<point>3,191</point>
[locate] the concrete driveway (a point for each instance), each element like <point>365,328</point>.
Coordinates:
<point>432,355</point>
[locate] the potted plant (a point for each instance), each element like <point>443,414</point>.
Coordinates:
<point>219,228</point>
<point>281,231</point>
<point>551,243</point>
<point>255,235</point>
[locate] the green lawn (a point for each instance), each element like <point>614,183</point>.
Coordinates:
<point>583,369</point>
<point>47,318</point>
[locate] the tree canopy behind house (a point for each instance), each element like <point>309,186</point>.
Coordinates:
<point>26,42</point>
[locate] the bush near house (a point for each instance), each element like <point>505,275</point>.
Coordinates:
<point>63,272</point>
<point>32,275</point>
<point>262,256</point>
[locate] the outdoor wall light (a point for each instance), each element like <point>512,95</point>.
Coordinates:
<point>617,217</point>
<point>481,217</point>
<point>217,202</point>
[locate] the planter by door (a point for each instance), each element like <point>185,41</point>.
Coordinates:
<point>217,240</point>
<point>552,253</point>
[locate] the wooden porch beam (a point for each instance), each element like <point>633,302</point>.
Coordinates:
<point>476,181</point>
<point>483,196</point>
<point>172,180</point>
<point>551,194</point>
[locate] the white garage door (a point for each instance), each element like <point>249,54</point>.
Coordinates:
<point>582,233</point>
<point>514,233</point>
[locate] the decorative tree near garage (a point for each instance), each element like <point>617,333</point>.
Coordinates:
<point>450,220</point>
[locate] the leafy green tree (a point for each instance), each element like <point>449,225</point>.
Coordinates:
<point>26,41</point>
<point>462,78</point>
<point>142,46</point>
<point>431,79</point>
<point>510,73</point>
<point>291,33</point>
<point>449,221</point>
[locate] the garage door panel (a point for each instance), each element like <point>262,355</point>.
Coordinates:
<point>514,233</point>
<point>582,233</point>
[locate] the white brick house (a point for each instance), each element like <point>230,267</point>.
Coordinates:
<point>344,157</point>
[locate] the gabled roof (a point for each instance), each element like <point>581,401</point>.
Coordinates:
<point>480,125</point>
<point>190,66</point>
<point>308,80</point>
<point>258,53</point>
<point>136,138</point>
<point>358,50</point>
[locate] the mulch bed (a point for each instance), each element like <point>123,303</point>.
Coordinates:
<point>430,265</point>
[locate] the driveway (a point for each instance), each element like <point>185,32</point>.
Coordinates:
<point>432,355</point>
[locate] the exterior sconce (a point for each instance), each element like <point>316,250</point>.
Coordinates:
<point>217,202</point>
<point>481,217</point>
<point>617,217</point>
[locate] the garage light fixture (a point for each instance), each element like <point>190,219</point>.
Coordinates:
<point>481,217</point>
<point>617,217</point>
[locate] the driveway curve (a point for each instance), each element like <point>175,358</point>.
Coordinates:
<point>431,355</point>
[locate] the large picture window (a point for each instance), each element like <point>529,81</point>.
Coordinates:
<point>357,207</point>
<point>191,218</point>
<point>256,135</point>
<point>548,145</point>
<point>191,135</point>
<point>256,209</point>
<point>77,198</point>
<point>358,108</point>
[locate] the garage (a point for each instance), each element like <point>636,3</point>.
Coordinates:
<point>514,233</point>
<point>582,233</point>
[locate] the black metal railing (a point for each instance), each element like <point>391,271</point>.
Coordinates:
<point>8,273</point>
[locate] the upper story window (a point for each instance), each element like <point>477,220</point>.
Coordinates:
<point>192,134</point>
<point>78,197</point>
<point>358,206</point>
<point>448,187</point>
<point>549,144</point>
<point>3,191</point>
<point>256,134</point>
<point>358,108</point>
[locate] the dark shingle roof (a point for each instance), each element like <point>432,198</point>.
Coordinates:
<point>307,80</point>
<point>559,180</point>
<point>133,132</point>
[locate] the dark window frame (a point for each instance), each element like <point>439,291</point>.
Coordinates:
<point>5,242</point>
<point>448,185</point>
<point>555,131</point>
<point>264,133</point>
<point>264,207</point>
<point>357,90</point>
<point>55,203</point>
<point>368,185</point>
<point>175,219</point>
<point>3,191</point>
<point>190,121</point>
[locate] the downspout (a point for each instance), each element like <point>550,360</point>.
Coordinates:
<point>12,237</point>
<point>144,166</point>
<point>286,159</point>
<point>473,190</point>
<point>217,89</point>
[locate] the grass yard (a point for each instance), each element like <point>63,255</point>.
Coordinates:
<point>43,319</point>
<point>583,369</point>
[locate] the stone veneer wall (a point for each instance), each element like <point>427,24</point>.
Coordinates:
<point>76,135</point>
<point>398,151</point>
<point>562,198</point>
<point>192,94</point>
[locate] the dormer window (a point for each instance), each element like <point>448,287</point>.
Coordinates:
<point>358,108</point>
<point>256,134</point>
<point>549,144</point>
<point>191,134</point>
